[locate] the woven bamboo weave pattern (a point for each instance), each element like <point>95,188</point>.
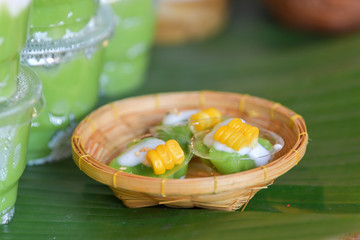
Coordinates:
<point>120,122</point>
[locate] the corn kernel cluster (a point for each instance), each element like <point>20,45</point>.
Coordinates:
<point>237,134</point>
<point>205,119</point>
<point>165,157</point>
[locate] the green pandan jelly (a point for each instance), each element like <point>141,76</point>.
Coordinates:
<point>13,27</point>
<point>227,163</point>
<point>13,142</point>
<point>133,153</point>
<point>127,55</point>
<point>69,69</point>
<point>182,133</point>
<point>121,77</point>
<point>71,91</point>
<point>55,18</point>
<point>15,115</point>
<point>8,73</point>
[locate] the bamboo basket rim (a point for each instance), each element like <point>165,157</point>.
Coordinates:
<point>202,185</point>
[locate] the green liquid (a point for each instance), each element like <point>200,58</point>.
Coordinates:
<point>13,138</point>
<point>13,30</point>
<point>8,72</point>
<point>127,54</point>
<point>71,91</point>
<point>13,147</point>
<point>56,17</point>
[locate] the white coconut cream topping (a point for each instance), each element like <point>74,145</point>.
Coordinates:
<point>259,154</point>
<point>176,117</point>
<point>136,154</point>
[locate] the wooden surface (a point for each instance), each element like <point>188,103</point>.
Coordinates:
<point>316,76</point>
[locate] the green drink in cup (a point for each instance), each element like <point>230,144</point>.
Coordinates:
<point>15,116</point>
<point>55,19</point>
<point>127,54</point>
<point>69,68</point>
<point>8,71</point>
<point>13,29</point>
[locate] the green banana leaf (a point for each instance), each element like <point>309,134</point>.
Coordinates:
<point>316,76</point>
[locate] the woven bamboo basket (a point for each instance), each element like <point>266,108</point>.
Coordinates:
<point>103,134</point>
<point>326,16</point>
<point>180,21</point>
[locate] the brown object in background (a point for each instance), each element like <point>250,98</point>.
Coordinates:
<point>103,135</point>
<point>181,21</point>
<point>326,16</point>
<point>355,236</point>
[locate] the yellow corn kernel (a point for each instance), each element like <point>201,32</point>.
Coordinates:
<point>236,123</point>
<point>252,133</point>
<point>239,143</point>
<point>205,119</point>
<point>155,160</point>
<point>248,131</point>
<point>165,156</point>
<point>236,140</point>
<point>175,150</point>
<point>227,135</point>
<point>237,134</point>
<point>222,133</point>
<point>214,114</point>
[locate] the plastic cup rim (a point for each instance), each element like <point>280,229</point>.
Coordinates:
<point>32,97</point>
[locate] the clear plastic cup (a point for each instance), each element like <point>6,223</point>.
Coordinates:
<point>69,68</point>
<point>15,116</point>
<point>127,55</point>
<point>8,71</point>
<point>13,27</point>
<point>54,19</point>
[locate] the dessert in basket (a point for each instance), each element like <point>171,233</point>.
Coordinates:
<point>237,136</point>
<point>228,146</point>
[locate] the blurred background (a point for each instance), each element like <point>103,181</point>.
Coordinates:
<point>302,54</point>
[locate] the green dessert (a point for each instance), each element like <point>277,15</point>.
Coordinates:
<point>8,72</point>
<point>13,29</point>
<point>182,124</point>
<point>55,19</point>
<point>13,141</point>
<point>127,54</point>
<point>70,90</point>
<point>136,159</point>
<point>225,162</point>
<point>69,69</point>
<point>234,146</point>
<point>15,115</point>
<point>182,133</point>
<point>176,126</point>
